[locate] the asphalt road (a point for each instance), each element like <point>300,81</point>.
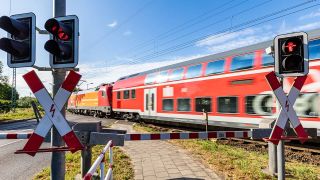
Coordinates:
<point>22,166</point>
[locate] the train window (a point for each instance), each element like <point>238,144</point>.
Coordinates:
<point>314,49</point>
<point>176,74</point>
<point>267,60</point>
<point>227,104</point>
<point>126,94</point>
<point>184,104</point>
<point>242,62</point>
<point>118,95</point>
<point>167,104</point>
<point>194,71</point>
<point>133,93</point>
<point>203,104</point>
<point>215,67</point>
<point>307,105</point>
<point>150,78</point>
<point>261,104</point>
<point>103,93</point>
<point>162,77</point>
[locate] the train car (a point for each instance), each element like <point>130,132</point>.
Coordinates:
<point>230,86</point>
<point>96,102</point>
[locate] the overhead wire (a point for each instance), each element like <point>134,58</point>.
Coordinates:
<point>121,24</point>
<point>228,30</point>
<point>183,25</point>
<point>209,25</point>
<point>195,23</point>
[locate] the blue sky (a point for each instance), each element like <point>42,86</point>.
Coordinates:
<point>119,37</point>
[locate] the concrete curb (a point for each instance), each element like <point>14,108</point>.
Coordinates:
<point>14,121</point>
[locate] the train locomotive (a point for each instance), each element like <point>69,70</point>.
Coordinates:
<point>229,86</point>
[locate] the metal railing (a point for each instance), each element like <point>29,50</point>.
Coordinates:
<point>101,160</point>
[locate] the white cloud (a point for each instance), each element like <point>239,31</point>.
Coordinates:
<point>98,74</point>
<point>127,33</point>
<point>228,41</point>
<point>223,37</point>
<point>22,87</point>
<point>310,15</point>
<point>307,27</point>
<point>113,24</point>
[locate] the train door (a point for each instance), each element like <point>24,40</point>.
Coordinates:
<point>150,101</point>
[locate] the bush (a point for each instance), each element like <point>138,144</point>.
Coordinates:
<point>5,106</point>
<point>25,102</point>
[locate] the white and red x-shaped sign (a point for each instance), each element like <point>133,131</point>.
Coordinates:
<point>287,111</point>
<point>53,115</point>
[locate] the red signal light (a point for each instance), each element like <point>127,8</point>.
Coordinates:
<point>58,29</point>
<point>291,46</point>
<point>62,35</point>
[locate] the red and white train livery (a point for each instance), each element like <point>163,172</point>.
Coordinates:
<point>230,86</point>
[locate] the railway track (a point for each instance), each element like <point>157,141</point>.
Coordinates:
<point>313,149</point>
<point>308,152</point>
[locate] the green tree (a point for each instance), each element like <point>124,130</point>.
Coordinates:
<point>5,88</point>
<point>25,102</point>
<point>3,79</point>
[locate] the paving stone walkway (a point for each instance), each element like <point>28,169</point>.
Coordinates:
<point>162,160</point>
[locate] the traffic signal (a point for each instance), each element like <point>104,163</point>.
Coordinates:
<point>20,43</point>
<point>63,45</point>
<point>291,54</point>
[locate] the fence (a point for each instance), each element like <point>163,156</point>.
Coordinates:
<point>101,160</point>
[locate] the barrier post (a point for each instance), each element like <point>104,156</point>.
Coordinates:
<point>102,168</point>
<point>36,111</point>
<point>281,160</point>
<point>205,114</point>
<point>111,159</point>
<point>272,152</point>
<point>86,155</point>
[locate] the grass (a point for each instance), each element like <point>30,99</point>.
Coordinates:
<point>122,169</point>
<point>237,163</point>
<point>19,114</point>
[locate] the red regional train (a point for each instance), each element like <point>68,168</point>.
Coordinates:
<point>230,86</point>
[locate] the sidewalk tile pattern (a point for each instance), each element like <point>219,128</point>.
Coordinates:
<point>162,160</point>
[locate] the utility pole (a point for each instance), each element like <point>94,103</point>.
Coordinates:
<point>13,89</point>
<point>58,158</point>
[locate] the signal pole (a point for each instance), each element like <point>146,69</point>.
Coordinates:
<point>58,158</point>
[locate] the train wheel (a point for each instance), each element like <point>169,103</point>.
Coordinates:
<point>102,114</point>
<point>137,117</point>
<point>125,116</point>
<point>95,114</point>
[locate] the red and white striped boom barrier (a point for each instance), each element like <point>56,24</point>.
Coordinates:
<point>15,135</point>
<point>100,160</point>
<point>158,136</point>
<point>188,135</point>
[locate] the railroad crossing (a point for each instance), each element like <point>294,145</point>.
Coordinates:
<point>205,91</point>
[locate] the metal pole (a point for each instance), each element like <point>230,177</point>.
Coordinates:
<point>36,111</point>
<point>58,158</point>
<point>281,160</point>
<point>207,122</point>
<point>272,151</point>
<point>85,160</point>
<point>280,150</point>
<point>102,168</point>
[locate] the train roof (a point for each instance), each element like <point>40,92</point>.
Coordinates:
<point>314,34</point>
